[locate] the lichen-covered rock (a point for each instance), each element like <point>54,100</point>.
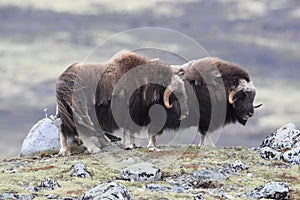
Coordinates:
<point>12,196</point>
<point>79,170</point>
<point>221,173</point>
<point>49,184</point>
<point>110,190</point>
<point>238,166</point>
<point>286,137</point>
<point>43,136</point>
<point>274,190</point>
<point>186,181</point>
<point>292,156</point>
<point>209,174</point>
<point>270,154</point>
<point>283,144</point>
<point>198,197</point>
<point>142,172</point>
<point>232,168</point>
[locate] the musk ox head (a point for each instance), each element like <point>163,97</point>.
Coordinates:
<point>241,98</point>
<point>177,86</point>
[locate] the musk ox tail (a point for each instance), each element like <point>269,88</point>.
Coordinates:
<point>64,90</point>
<point>66,116</point>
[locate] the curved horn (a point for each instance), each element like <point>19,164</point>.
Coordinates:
<point>167,93</point>
<point>257,106</point>
<point>233,92</point>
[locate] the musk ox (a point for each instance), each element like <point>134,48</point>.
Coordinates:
<point>126,93</point>
<point>85,94</point>
<point>219,85</point>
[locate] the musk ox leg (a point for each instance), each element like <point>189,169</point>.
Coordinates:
<point>92,138</point>
<point>91,144</point>
<point>129,140</point>
<point>64,149</point>
<point>206,140</point>
<point>152,140</point>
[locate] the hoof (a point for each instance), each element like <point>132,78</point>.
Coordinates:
<point>151,145</point>
<point>132,146</point>
<point>94,150</point>
<point>112,147</point>
<point>64,152</point>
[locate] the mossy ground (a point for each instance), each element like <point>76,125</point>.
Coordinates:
<point>17,174</point>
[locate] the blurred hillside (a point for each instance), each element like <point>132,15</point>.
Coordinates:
<point>40,39</point>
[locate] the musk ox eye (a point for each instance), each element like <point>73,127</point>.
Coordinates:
<point>181,72</point>
<point>234,80</point>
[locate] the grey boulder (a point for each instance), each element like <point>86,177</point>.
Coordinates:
<point>109,190</point>
<point>283,144</point>
<point>274,190</point>
<point>43,136</point>
<point>286,137</point>
<point>142,172</point>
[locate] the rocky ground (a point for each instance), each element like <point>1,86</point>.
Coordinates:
<point>184,172</point>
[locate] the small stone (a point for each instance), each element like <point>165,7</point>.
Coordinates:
<point>238,166</point>
<point>32,188</point>
<point>52,196</point>
<point>154,149</point>
<point>269,153</point>
<point>198,197</point>
<point>14,171</point>
<point>209,174</point>
<point>79,170</point>
<point>227,196</point>
<point>274,190</point>
<point>109,190</point>
<point>49,184</point>
<point>128,160</point>
<point>142,172</point>
<point>157,187</point>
